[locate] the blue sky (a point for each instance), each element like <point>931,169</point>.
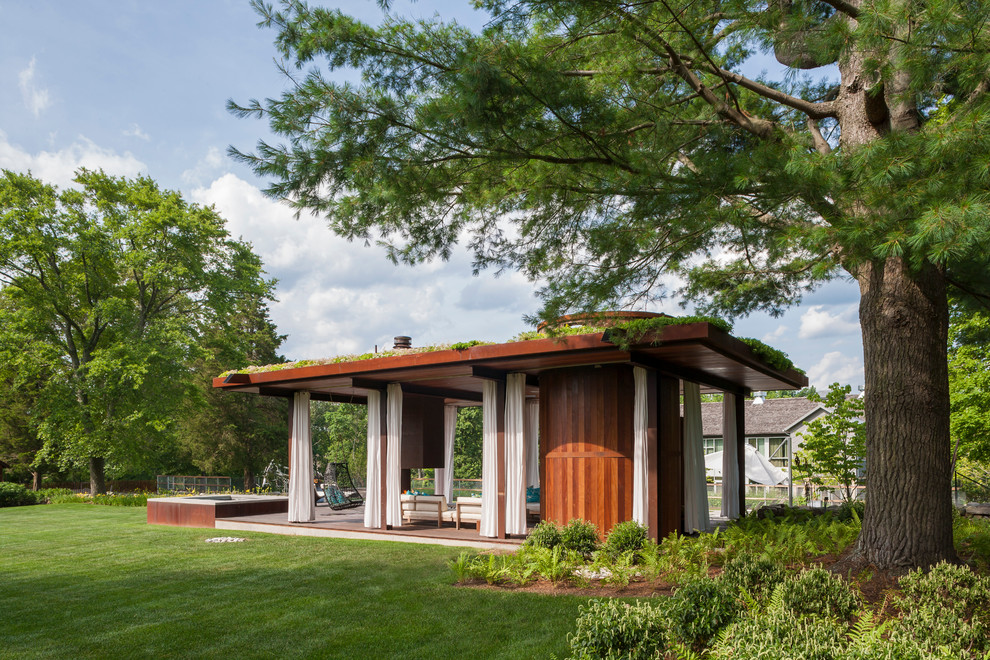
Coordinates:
<point>139,87</point>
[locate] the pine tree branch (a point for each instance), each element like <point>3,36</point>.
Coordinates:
<point>846,8</point>
<point>821,144</point>
<point>814,110</point>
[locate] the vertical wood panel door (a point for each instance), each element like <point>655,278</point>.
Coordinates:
<point>586,444</point>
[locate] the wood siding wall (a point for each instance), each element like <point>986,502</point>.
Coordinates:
<point>422,432</point>
<point>586,444</point>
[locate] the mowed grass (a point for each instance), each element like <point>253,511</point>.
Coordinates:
<point>92,581</point>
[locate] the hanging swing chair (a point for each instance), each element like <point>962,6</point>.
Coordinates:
<point>339,489</point>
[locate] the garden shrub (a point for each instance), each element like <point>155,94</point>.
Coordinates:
<point>758,576</point>
<point>612,629</point>
<point>580,536</point>
<point>57,495</point>
<point>16,495</point>
<point>776,634</point>
<point>851,511</point>
<point>546,534</point>
<point>815,591</point>
<point>626,536</point>
<point>699,609</point>
<point>946,608</point>
<point>120,499</point>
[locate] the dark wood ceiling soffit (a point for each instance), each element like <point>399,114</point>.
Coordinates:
<point>732,348</point>
<point>442,392</point>
<point>314,396</point>
<point>686,373</point>
<point>369,384</point>
<point>487,373</point>
<point>412,388</point>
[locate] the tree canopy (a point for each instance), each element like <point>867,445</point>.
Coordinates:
<point>597,145</point>
<point>110,285</point>
<point>602,147</point>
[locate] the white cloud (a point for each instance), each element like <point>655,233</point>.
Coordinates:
<point>776,334</point>
<point>59,166</point>
<point>338,297</point>
<point>135,131</point>
<point>835,367</point>
<point>36,99</point>
<point>816,323</point>
<point>209,167</point>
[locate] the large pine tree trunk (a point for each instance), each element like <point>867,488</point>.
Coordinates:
<point>904,319</point>
<point>97,475</point>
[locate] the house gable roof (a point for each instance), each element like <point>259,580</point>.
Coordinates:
<point>772,417</point>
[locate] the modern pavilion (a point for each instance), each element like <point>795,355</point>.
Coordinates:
<point>594,418</point>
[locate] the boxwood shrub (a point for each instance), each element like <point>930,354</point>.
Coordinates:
<point>626,536</point>
<point>580,536</point>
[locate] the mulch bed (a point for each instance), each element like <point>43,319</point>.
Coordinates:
<point>875,585</point>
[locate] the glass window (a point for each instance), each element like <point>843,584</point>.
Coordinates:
<point>712,445</point>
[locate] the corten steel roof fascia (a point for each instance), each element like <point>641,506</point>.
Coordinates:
<point>582,349</point>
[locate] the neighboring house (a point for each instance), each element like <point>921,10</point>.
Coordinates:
<point>771,426</point>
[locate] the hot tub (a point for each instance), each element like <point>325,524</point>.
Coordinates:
<point>203,510</point>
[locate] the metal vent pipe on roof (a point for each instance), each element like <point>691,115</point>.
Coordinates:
<point>402,341</point>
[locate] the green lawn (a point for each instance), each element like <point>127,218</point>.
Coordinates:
<point>92,581</point>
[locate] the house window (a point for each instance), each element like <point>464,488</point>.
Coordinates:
<point>774,448</point>
<point>713,445</point>
<point>778,452</point>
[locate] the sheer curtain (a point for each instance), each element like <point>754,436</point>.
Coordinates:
<point>444,477</point>
<point>515,456</point>
<point>373,495</point>
<point>489,458</point>
<point>532,440</point>
<point>695,490</point>
<point>393,457</point>
<point>302,497</point>
<point>730,458</point>
<point>640,421</point>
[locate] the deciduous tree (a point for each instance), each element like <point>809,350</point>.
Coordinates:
<point>833,447</point>
<point>969,382</point>
<point>115,279</point>
<point>233,433</point>
<point>599,146</point>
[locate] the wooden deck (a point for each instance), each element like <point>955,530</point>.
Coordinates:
<point>349,524</point>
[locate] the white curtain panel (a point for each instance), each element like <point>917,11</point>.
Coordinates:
<point>640,421</point>
<point>489,458</point>
<point>373,494</point>
<point>532,440</point>
<point>444,477</point>
<point>302,496</point>
<point>393,457</point>
<point>695,491</point>
<point>730,458</point>
<point>515,454</point>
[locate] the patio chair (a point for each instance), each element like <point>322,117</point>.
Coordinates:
<point>341,493</point>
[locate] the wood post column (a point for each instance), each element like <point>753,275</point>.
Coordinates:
<point>652,456</point>
<point>291,420</point>
<point>741,448</point>
<point>670,477</point>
